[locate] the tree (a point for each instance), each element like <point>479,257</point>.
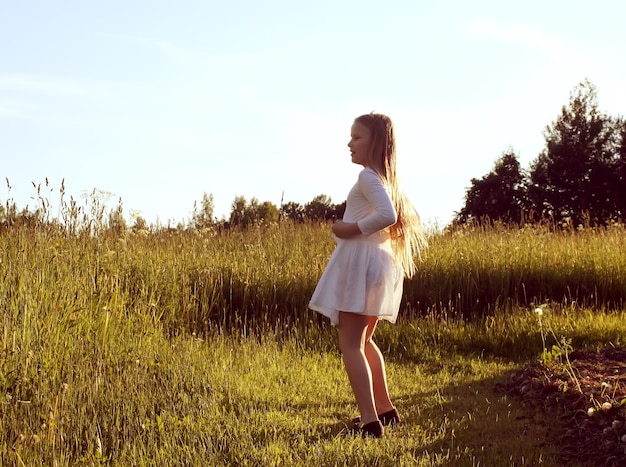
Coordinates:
<point>267,213</point>
<point>293,211</point>
<point>203,218</point>
<point>619,179</point>
<point>244,214</point>
<point>319,208</point>
<point>238,211</point>
<point>572,177</point>
<point>117,223</point>
<point>337,210</point>
<point>499,195</point>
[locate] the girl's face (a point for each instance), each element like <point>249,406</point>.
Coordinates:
<point>360,142</point>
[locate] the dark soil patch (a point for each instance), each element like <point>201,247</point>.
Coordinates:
<point>589,410</point>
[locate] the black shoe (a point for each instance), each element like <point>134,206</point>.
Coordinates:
<point>388,418</point>
<point>372,430</point>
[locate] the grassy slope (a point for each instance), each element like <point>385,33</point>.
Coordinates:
<point>124,394</point>
<point>98,362</point>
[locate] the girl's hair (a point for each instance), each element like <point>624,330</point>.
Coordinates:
<point>407,234</point>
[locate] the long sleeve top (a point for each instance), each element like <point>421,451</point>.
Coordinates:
<point>369,204</point>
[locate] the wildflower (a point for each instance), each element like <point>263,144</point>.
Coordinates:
<point>19,440</point>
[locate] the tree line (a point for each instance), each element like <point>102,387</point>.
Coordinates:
<point>577,179</point>
<point>246,213</point>
<point>93,215</point>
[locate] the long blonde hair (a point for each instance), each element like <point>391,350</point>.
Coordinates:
<point>408,235</point>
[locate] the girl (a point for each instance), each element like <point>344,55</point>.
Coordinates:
<point>376,242</point>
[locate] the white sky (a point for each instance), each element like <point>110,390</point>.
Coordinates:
<point>159,102</point>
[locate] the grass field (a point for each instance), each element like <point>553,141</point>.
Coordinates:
<point>188,348</point>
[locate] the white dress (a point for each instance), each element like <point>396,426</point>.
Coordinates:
<point>362,275</point>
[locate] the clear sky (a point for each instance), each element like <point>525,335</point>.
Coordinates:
<point>158,102</point>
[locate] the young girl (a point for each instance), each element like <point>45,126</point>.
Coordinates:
<point>376,242</point>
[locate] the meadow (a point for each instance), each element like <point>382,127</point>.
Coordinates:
<point>196,348</point>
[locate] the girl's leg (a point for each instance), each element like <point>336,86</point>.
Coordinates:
<point>376,364</point>
<point>352,336</point>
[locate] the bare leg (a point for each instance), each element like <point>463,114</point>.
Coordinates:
<point>352,337</point>
<point>376,363</point>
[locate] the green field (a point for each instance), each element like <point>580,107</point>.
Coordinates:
<point>197,348</point>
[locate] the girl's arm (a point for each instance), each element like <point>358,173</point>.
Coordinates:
<point>346,229</point>
<point>384,213</point>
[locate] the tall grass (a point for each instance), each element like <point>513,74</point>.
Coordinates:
<point>469,273</point>
<point>265,276</point>
<point>186,280</point>
<point>112,347</point>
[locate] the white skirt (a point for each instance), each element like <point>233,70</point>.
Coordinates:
<point>361,277</point>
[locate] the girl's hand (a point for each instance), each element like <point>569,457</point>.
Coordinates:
<point>346,229</point>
